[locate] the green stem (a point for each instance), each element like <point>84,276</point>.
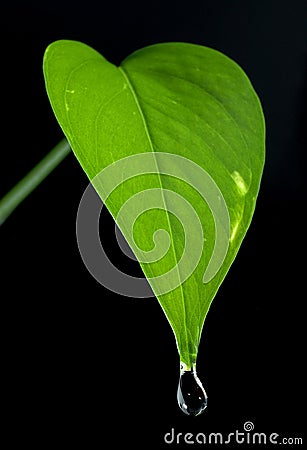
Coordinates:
<point>25,186</point>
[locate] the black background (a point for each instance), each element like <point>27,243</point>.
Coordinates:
<point>84,366</point>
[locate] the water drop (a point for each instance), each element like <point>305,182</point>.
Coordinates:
<point>191,395</point>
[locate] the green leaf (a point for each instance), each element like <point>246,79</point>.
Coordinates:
<point>178,129</point>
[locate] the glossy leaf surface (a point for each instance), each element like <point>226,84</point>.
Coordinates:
<point>179,129</point>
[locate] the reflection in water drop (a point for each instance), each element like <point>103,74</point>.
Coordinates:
<point>191,395</point>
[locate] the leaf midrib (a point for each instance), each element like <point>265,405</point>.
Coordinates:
<point>160,182</point>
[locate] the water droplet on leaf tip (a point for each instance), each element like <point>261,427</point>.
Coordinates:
<point>191,395</point>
